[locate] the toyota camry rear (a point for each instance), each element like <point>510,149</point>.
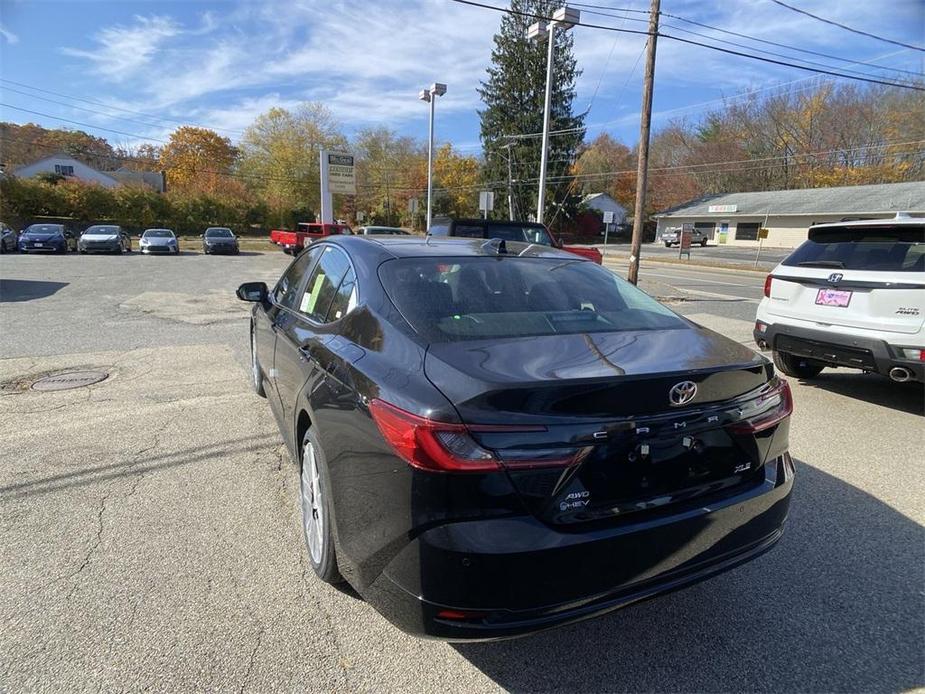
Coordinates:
<point>496,439</point>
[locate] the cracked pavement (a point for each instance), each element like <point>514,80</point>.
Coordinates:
<point>151,538</point>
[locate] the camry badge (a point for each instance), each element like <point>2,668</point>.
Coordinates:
<point>835,278</point>
<point>682,393</point>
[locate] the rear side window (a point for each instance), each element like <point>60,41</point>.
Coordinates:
<point>323,283</point>
<point>883,248</point>
<point>470,298</point>
<point>345,298</point>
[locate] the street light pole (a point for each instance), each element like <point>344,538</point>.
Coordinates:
<point>564,17</point>
<point>430,95</point>
<point>541,198</point>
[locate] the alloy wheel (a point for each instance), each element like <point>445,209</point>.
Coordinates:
<point>312,506</point>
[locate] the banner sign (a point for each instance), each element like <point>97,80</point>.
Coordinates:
<point>722,208</point>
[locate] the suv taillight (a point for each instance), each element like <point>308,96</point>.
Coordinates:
<point>767,285</point>
<point>768,409</point>
<point>448,447</point>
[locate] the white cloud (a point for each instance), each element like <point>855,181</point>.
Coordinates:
<point>121,52</point>
<point>10,37</point>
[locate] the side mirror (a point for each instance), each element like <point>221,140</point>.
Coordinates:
<point>253,291</point>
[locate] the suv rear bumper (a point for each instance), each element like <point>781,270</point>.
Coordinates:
<point>834,349</point>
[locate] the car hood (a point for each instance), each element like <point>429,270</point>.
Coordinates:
<point>591,374</point>
<point>219,240</point>
<point>99,237</point>
<point>159,241</point>
<point>41,237</point>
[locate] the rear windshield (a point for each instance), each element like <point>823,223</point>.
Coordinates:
<point>524,233</point>
<point>451,299</point>
<point>891,249</point>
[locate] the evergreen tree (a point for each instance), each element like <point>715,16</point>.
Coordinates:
<point>513,96</point>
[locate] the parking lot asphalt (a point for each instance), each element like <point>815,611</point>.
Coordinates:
<point>152,538</point>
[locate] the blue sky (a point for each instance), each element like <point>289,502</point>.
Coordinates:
<point>219,64</point>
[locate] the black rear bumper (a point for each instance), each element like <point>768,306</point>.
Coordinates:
<point>834,349</point>
<point>499,578</point>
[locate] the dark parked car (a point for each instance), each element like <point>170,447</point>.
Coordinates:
<point>8,239</point>
<point>47,238</point>
<point>220,240</point>
<point>105,238</point>
<point>496,438</point>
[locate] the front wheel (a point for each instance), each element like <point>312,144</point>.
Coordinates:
<point>703,243</point>
<point>794,366</point>
<point>316,516</point>
<point>667,244</point>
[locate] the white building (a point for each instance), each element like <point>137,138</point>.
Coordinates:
<point>604,203</point>
<point>65,165</point>
<point>734,218</point>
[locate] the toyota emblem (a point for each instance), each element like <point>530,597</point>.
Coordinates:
<point>835,278</point>
<point>682,393</point>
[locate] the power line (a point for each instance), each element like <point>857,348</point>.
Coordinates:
<point>749,37</point>
<point>847,28</point>
<point>85,125</point>
<point>117,108</point>
<point>703,45</point>
<point>759,50</point>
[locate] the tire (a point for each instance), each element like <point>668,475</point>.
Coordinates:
<point>667,244</point>
<point>796,367</point>
<point>314,498</point>
<point>703,243</point>
<point>256,371</point>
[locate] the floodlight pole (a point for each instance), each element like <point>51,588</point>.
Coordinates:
<point>430,95</point>
<point>541,199</point>
<point>565,17</point>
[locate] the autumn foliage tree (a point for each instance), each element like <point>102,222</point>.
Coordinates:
<point>198,160</point>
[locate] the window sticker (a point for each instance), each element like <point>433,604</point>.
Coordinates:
<point>309,299</point>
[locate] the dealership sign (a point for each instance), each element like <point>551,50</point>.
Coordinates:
<point>341,174</point>
<point>720,209</point>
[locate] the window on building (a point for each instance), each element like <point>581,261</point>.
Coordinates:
<point>64,169</point>
<point>747,231</point>
<point>705,228</point>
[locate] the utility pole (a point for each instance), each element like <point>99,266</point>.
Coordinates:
<point>642,169</point>
<point>510,187</point>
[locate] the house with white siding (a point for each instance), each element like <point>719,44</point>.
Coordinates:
<point>734,218</point>
<point>65,165</point>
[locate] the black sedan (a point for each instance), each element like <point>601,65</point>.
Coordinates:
<point>496,438</point>
<point>46,238</point>
<point>219,240</point>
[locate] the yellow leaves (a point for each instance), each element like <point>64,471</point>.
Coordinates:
<point>197,159</point>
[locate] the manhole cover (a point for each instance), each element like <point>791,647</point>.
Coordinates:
<point>74,379</point>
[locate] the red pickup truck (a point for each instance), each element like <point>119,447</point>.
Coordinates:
<point>292,242</point>
<point>525,232</point>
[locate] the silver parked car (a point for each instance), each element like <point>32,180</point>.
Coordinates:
<point>159,241</point>
<point>672,237</point>
<point>104,238</point>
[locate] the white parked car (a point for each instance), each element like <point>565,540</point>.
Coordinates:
<point>853,295</point>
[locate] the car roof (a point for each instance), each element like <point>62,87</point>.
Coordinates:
<point>442,246</point>
<point>487,222</point>
<point>900,220</point>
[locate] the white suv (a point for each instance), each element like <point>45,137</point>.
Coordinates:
<point>853,295</point>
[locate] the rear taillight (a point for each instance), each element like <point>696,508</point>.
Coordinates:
<point>448,447</point>
<point>768,409</point>
<point>767,285</point>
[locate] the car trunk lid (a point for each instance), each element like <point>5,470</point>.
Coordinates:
<point>584,423</point>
